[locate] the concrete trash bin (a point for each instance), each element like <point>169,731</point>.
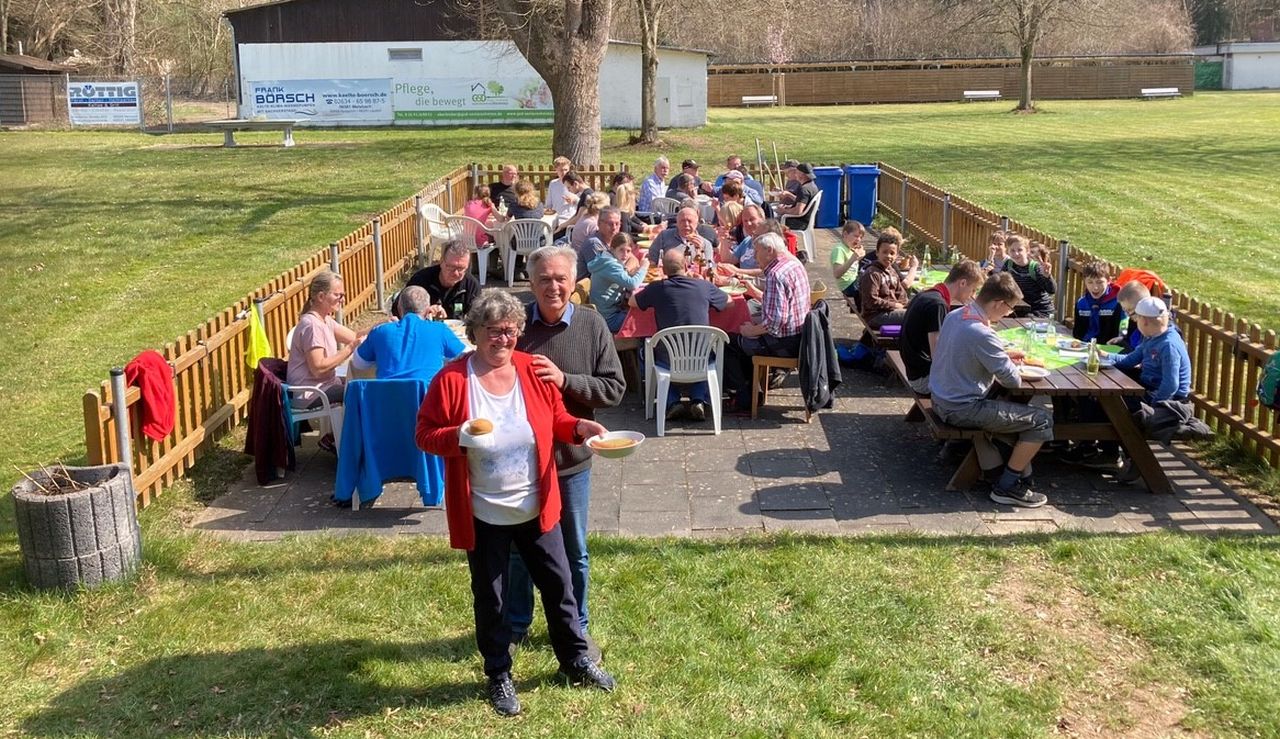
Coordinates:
<point>863,179</point>
<point>828,181</point>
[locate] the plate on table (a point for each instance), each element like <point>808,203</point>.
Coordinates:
<point>1071,344</point>
<point>1028,372</point>
<point>615,444</point>
<point>733,289</point>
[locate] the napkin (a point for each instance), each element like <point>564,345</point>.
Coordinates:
<point>466,440</point>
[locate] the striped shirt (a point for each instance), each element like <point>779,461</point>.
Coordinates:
<point>785,301</point>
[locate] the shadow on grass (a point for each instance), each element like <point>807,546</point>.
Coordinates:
<point>285,691</point>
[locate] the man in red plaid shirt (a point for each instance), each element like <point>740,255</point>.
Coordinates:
<point>784,304</point>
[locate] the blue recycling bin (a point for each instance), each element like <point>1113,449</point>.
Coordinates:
<point>863,179</point>
<point>828,181</point>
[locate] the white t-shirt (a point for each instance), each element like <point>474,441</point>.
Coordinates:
<point>504,477</point>
<point>556,193</point>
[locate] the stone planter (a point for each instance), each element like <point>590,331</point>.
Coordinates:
<point>79,538</point>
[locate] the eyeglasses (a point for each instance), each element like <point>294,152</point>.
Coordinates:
<point>340,297</point>
<point>501,333</point>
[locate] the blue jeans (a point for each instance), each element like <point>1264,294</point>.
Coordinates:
<point>575,499</point>
<point>698,392</point>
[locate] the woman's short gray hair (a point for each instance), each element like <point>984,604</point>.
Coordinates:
<point>492,306</point>
<point>543,253</point>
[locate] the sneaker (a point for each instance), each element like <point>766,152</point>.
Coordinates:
<point>1129,475</point>
<point>777,377</point>
<point>589,674</point>
<point>698,412</point>
<point>802,255</point>
<point>1020,495</point>
<point>1079,453</point>
<point>327,444</point>
<point>502,695</point>
<point>676,412</point>
<point>1104,461</point>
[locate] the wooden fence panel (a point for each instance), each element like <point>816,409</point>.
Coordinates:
<point>1227,353</point>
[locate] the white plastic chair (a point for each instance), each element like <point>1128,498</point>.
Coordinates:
<point>437,231</point>
<point>665,206</point>
<point>464,230</point>
<point>689,350</point>
<point>806,234</point>
<point>520,237</point>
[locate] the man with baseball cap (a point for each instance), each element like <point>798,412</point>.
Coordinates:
<point>690,167</point>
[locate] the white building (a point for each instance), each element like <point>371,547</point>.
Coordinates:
<point>403,62</point>
<point>1246,65</point>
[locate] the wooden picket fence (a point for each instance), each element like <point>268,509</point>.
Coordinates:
<point>212,382</point>
<point>1227,352</point>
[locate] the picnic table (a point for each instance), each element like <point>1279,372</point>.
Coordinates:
<point>641,324</point>
<point>1068,378</point>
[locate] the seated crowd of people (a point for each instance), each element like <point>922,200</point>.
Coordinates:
<point>517,490</point>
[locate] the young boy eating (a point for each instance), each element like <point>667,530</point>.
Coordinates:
<point>1035,283</point>
<point>1098,311</point>
<point>1129,296</point>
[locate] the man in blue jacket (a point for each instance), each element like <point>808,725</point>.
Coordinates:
<point>410,348</point>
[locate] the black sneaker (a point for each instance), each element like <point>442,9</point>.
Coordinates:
<point>777,378</point>
<point>1104,461</point>
<point>1078,453</point>
<point>802,255</point>
<point>1129,475</point>
<point>676,412</point>
<point>589,674</point>
<point>1020,495</point>
<point>698,412</point>
<point>502,695</point>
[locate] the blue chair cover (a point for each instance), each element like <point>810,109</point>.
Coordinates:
<point>377,441</point>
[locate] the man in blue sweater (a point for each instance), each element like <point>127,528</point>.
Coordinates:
<point>969,359</point>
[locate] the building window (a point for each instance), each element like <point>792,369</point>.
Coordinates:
<point>404,55</point>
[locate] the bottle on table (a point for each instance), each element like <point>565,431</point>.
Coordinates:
<point>1094,360</point>
<point>924,263</point>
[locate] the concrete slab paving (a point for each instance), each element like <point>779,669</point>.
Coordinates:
<point>856,469</point>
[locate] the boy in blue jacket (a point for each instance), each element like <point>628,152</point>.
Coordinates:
<point>1162,356</point>
<point>1098,311</point>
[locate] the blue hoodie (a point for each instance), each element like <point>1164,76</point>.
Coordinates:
<point>1166,366</point>
<point>1098,318</point>
<point>611,285</point>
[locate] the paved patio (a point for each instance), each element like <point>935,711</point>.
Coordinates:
<point>856,469</point>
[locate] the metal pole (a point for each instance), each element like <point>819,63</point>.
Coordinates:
<point>168,101</point>
<point>475,176</point>
<point>1004,224</point>
<point>1063,263</point>
<point>335,266</point>
<point>121,413</point>
<point>903,210</point>
<point>378,288</point>
<point>448,192</point>
<point>419,236</point>
<point>946,222</point>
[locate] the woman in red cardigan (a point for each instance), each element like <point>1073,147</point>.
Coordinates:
<point>501,487</point>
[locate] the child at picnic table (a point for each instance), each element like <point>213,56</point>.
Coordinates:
<point>1131,293</point>
<point>1098,311</point>
<point>995,252</point>
<point>844,260</point>
<point>480,208</point>
<point>1033,279</point>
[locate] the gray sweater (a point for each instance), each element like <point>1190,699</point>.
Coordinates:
<point>584,352</point>
<point>970,357</point>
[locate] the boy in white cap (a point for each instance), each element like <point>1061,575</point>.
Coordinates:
<point>1162,355</point>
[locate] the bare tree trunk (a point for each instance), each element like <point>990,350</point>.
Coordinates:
<point>120,23</point>
<point>577,112</point>
<point>1028,56</point>
<point>648,11</point>
<point>4,26</point>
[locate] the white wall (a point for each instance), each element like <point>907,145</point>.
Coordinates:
<point>1252,70</point>
<point>619,75</point>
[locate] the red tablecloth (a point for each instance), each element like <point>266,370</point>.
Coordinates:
<point>641,324</point>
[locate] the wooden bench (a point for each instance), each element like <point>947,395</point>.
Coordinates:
<point>759,99</point>
<point>229,126</point>
<point>971,95</point>
<point>922,408</point>
<point>1151,93</point>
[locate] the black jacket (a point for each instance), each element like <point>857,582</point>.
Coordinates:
<point>819,365</point>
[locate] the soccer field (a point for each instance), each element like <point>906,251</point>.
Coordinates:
<point>115,242</point>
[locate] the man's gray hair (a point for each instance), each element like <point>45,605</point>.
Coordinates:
<point>662,160</point>
<point>413,299</point>
<point>612,209</point>
<point>543,253</point>
<point>454,249</point>
<point>770,241</point>
<point>492,306</point>
<point>754,207</point>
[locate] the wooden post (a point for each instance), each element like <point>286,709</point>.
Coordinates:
<point>1063,265</point>
<point>419,238</point>
<point>903,210</point>
<point>379,289</point>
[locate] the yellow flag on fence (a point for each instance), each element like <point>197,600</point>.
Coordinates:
<point>259,344</point>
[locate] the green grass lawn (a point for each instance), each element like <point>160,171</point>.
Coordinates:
<point>115,242</point>
<point>747,637</point>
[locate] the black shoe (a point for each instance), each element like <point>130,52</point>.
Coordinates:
<point>1020,495</point>
<point>502,695</point>
<point>777,377</point>
<point>802,255</point>
<point>1129,475</point>
<point>676,412</point>
<point>589,674</point>
<point>698,412</point>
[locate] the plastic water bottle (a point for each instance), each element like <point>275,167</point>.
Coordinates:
<point>1094,361</point>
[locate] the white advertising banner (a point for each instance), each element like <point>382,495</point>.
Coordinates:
<point>330,101</point>
<point>92,103</point>
<point>465,99</point>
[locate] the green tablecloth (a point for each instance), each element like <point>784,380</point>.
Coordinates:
<point>1040,349</point>
<point>927,280</point>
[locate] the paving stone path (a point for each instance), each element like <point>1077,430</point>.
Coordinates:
<point>857,468</point>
